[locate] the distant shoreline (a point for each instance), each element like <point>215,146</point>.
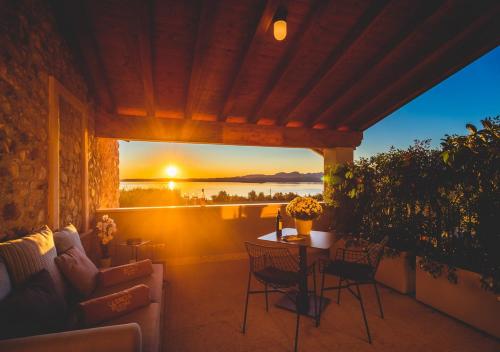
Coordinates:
<point>230,179</point>
<point>280,177</point>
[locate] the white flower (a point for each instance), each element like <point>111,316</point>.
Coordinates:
<point>105,229</point>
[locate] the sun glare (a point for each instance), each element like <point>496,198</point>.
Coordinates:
<point>171,171</point>
<point>171,185</point>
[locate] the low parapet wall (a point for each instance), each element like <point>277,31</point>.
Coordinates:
<point>191,233</point>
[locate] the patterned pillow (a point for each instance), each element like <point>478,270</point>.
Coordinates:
<point>29,255</point>
<point>123,273</point>
<point>114,305</point>
<point>66,238</point>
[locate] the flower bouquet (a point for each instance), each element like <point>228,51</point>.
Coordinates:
<point>304,210</point>
<point>106,228</point>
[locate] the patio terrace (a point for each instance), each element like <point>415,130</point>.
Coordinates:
<point>204,312</point>
<point>76,76</point>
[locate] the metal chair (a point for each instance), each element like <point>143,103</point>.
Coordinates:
<point>353,268</point>
<point>278,270</point>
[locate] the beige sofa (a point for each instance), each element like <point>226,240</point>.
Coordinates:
<point>138,330</point>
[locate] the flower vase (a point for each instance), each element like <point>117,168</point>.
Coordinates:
<point>303,227</point>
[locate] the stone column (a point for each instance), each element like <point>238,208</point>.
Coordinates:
<point>337,155</point>
<point>332,156</point>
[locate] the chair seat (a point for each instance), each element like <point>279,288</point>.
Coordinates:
<point>349,270</point>
<point>277,277</point>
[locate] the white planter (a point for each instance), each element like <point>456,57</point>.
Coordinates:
<point>466,300</point>
<point>397,273</point>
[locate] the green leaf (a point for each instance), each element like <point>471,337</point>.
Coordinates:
<point>352,193</point>
<point>445,155</point>
<point>472,129</point>
<point>335,180</point>
<point>486,124</point>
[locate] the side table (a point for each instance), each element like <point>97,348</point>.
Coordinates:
<point>135,248</point>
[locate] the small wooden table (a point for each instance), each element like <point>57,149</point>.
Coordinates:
<point>135,247</point>
<point>317,239</point>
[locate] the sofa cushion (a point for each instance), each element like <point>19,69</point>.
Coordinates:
<point>124,273</point>
<point>153,281</point>
<point>5,286</point>
<point>114,305</point>
<point>148,319</point>
<point>66,238</point>
<point>30,254</point>
<point>78,270</point>
<point>32,308</point>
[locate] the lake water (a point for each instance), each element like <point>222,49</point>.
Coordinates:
<point>193,189</point>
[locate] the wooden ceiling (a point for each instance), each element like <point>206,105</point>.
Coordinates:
<point>343,66</point>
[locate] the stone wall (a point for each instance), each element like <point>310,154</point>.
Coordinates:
<point>31,49</point>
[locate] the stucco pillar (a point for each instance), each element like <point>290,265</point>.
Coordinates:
<point>332,156</point>
<point>337,155</point>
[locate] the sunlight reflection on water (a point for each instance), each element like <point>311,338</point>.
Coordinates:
<point>232,188</point>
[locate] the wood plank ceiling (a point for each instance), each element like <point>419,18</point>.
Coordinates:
<point>343,66</point>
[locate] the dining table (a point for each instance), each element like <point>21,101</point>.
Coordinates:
<point>321,240</point>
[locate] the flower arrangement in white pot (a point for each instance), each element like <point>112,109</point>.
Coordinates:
<point>304,210</point>
<point>106,228</point>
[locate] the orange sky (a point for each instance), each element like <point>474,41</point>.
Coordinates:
<point>150,159</point>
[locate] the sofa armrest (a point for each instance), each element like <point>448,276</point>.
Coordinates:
<point>119,338</point>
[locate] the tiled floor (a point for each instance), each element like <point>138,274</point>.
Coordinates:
<point>204,311</point>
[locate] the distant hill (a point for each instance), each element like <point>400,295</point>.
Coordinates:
<point>280,177</point>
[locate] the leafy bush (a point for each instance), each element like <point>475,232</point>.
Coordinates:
<point>440,204</point>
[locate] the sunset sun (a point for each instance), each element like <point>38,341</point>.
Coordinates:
<point>171,170</point>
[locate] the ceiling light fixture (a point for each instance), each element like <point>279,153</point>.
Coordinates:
<point>279,24</point>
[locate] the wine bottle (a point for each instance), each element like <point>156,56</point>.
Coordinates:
<point>279,225</point>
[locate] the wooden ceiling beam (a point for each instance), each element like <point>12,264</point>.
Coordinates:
<point>291,53</point>
<point>458,53</point>
<point>145,32</point>
<point>252,42</point>
<point>194,131</point>
<point>77,18</point>
<point>207,13</point>
<point>419,21</point>
<point>370,15</point>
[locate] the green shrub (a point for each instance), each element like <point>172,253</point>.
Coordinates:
<point>443,205</point>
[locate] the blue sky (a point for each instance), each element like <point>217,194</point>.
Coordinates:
<point>466,97</point>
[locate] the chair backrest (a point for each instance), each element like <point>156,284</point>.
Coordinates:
<point>262,257</point>
<point>375,251</point>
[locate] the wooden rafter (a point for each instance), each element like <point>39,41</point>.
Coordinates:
<point>193,131</point>
<point>418,22</point>
<point>285,63</point>
<point>459,55</point>
<point>338,52</point>
<point>77,14</point>
<point>145,29</point>
<point>251,43</point>
<point>207,14</point>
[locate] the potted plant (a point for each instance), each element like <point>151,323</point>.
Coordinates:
<point>304,210</point>
<point>106,228</point>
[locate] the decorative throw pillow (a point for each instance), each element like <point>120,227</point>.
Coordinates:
<point>79,270</point>
<point>32,308</point>
<point>30,254</point>
<point>66,238</point>
<point>114,305</point>
<point>123,273</point>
